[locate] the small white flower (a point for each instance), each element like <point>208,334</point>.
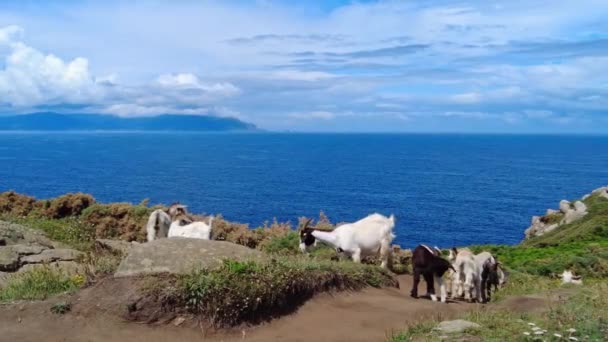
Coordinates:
<point>536,328</point>
<point>538,333</point>
<point>557,335</point>
<point>571,330</point>
<point>572,338</point>
<point>526,333</point>
<point>531,324</point>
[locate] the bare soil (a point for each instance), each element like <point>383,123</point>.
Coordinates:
<point>367,315</point>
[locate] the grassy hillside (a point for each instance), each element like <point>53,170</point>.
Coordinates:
<point>581,246</point>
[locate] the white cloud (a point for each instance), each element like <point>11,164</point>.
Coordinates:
<point>415,60</point>
<point>314,115</point>
<point>33,79</point>
<point>30,77</point>
<point>466,98</point>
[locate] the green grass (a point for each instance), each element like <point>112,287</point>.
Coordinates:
<point>61,308</point>
<point>419,331</point>
<point>253,291</point>
<point>39,283</point>
<point>70,231</point>
<point>586,311</point>
<point>287,244</point>
<point>589,259</point>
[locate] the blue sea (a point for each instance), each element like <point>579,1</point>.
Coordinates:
<point>445,190</point>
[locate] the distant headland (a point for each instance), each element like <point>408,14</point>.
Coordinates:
<point>49,121</point>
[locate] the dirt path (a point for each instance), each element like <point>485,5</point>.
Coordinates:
<point>368,315</point>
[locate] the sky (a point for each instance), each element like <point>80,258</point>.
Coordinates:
<point>342,66</point>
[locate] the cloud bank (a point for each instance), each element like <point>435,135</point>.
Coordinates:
<point>533,66</point>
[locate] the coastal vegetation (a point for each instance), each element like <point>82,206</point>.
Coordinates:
<point>575,313</point>
<point>253,291</point>
<point>250,291</point>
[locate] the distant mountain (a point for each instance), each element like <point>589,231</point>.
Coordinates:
<point>90,122</point>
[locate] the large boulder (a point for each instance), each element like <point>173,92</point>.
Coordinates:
<point>564,206</point>
<point>12,234</point>
<point>180,256</point>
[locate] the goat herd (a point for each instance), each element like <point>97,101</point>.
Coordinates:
<point>467,274</point>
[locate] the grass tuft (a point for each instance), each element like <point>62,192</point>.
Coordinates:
<point>39,283</point>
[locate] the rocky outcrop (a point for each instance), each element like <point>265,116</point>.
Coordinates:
<point>567,213</point>
<point>24,249</point>
<point>180,256</point>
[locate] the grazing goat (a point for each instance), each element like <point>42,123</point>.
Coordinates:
<point>367,236</point>
<point>160,221</point>
<point>475,273</point>
<point>488,267</point>
<point>428,263</point>
<point>569,278</point>
<point>158,225</point>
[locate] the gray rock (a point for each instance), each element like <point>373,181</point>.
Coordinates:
<point>564,206</point>
<point>580,206</point>
<point>114,246</point>
<point>50,255</point>
<point>28,249</point>
<point>66,267</point>
<point>602,192</point>
<point>13,234</point>
<point>9,259</point>
<point>180,256</point>
<point>456,326</point>
<point>551,211</point>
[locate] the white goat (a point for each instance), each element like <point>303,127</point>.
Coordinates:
<point>160,221</point>
<point>365,237</point>
<point>158,225</point>
<point>194,230</point>
<point>467,276</point>
<point>569,278</point>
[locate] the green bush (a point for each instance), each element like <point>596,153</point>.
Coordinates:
<point>287,244</point>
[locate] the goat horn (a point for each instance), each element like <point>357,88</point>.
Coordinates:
<point>306,223</point>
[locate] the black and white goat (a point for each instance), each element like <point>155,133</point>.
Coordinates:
<point>368,236</point>
<point>428,263</point>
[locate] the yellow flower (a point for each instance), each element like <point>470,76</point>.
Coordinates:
<point>78,279</point>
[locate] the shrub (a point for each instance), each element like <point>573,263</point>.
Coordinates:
<point>117,220</point>
<point>61,308</point>
<point>67,205</point>
<point>12,203</point>
<point>39,283</point>
<point>253,291</point>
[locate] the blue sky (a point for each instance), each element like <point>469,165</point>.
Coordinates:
<point>411,66</point>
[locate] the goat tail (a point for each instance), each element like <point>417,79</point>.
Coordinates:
<point>392,219</point>
<point>151,225</point>
<point>211,218</point>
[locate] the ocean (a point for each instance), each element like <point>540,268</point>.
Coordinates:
<point>445,190</point>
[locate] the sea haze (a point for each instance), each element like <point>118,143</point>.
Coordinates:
<point>444,189</point>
